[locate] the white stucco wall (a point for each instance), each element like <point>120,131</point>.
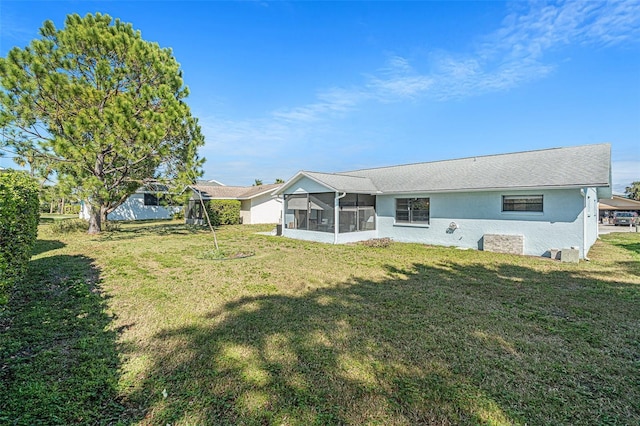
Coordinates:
<point>329,237</point>
<point>245,212</point>
<point>84,211</point>
<point>300,234</point>
<point>134,209</point>
<point>478,213</point>
<point>306,185</point>
<point>352,237</point>
<point>265,209</point>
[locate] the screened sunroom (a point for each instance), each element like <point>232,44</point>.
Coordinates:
<point>319,211</point>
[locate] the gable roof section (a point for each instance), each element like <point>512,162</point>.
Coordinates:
<point>218,192</point>
<point>333,182</point>
<point>254,191</point>
<point>344,182</point>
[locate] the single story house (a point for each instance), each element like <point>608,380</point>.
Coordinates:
<point>257,204</point>
<point>616,203</point>
<point>527,202</point>
<point>148,202</point>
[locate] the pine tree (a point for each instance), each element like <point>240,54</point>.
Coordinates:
<point>103,108</point>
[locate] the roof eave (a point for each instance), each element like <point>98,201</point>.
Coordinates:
<point>502,188</point>
<point>271,191</point>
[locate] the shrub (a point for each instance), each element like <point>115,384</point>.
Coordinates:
<point>178,215</point>
<point>72,209</point>
<point>19,215</point>
<point>66,226</point>
<point>223,212</point>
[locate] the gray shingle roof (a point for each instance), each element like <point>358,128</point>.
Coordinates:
<point>587,165</point>
<point>580,166</point>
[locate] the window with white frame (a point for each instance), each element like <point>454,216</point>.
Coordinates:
<point>522,203</point>
<point>412,210</point>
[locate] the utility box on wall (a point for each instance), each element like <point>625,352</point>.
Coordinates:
<point>512,244</point>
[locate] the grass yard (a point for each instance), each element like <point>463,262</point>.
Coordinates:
<point>138,326</point>
<point>51,217</point>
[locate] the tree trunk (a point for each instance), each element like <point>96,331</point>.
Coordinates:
<point>95,220</point>
<point>103,215</point>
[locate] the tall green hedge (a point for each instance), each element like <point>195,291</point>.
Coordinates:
<point>19,214</point>
<point>224,212</point>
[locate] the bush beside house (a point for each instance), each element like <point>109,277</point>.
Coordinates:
<point>19,214</point>
<point>223,212</point>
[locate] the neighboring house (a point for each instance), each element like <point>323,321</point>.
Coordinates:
<point>210,182</point>
<point>616,203</point>
<point>527,202</point>
<point>257,204</point>
<point>147,202</point>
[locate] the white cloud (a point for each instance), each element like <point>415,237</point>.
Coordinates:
<point>399,87</point>
<point>513,54</point>
<point>329,103</point>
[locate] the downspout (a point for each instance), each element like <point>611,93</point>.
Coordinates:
<point>336,216</point>
<point>583,192</point>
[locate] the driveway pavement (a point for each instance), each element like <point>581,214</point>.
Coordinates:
<point>607,229</point>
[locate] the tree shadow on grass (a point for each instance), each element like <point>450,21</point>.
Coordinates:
<point>58,357</point>
<point>631,267</point>
<point>430,344</point>
<point>43,246</point>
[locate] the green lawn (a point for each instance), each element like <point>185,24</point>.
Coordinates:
<point>140,326</point>
<point>50,217</point>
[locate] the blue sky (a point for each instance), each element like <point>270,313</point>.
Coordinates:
<point>333,86</point>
